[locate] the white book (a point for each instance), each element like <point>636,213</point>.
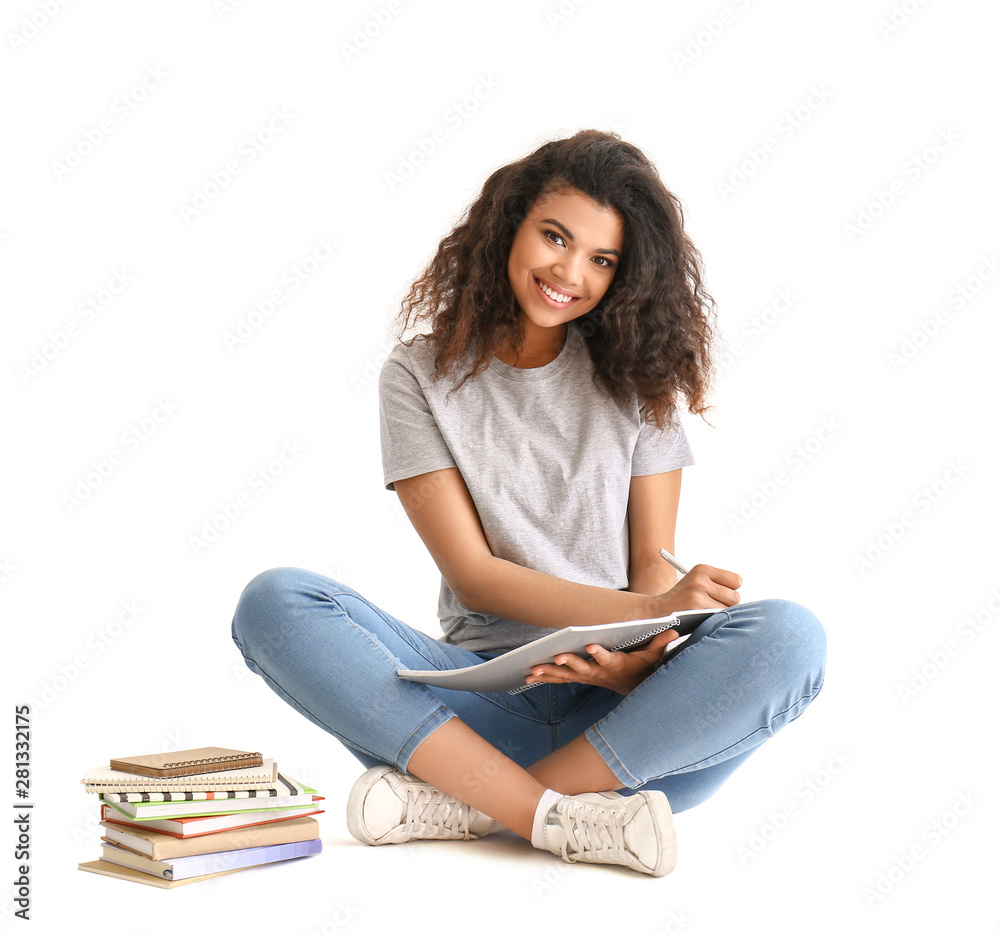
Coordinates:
<point>508,671</point>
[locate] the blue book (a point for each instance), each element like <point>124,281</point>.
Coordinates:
<point>181,868</point>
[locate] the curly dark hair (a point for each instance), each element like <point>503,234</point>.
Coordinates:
<point>651,334</point>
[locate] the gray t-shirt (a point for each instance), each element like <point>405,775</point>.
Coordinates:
<point>547,460</point>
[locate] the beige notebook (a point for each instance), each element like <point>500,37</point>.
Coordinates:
<point>158,846</point>
<point>187,762</point>
<point>137,876</point>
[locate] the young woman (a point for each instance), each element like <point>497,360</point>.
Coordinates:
<point>531,436</point>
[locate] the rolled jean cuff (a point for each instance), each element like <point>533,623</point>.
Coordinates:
<point>593,735</point>
<point>439,717</point>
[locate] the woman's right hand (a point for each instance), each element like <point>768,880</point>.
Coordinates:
<point>703,587</point>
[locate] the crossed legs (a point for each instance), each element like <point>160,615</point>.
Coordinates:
<point>332,655</point>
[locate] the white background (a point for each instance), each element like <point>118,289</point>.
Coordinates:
<point>116,620</point>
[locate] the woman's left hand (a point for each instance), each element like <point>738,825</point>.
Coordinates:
<point>619,670</point>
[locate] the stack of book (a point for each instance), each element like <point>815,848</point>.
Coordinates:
<point>175,818</point>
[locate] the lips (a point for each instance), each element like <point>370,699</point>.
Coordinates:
<point>554,297</point>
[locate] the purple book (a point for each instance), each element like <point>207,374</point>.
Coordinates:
<point>180,868</point>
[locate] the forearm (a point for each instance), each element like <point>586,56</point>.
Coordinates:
<point>656,577</point>
<point>505,589</point>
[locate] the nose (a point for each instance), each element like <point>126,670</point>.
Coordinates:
<point>568,270</point>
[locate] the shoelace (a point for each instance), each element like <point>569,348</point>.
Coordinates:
<point>590,829</point>
<point>430,808</point>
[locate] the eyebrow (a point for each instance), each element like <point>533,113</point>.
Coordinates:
<point>569,236</point>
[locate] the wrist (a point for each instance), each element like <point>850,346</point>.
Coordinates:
<point>631,683</point>
<point>656,605</point>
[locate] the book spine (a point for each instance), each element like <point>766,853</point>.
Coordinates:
<point>641,638</point>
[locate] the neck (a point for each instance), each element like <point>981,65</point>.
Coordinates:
<point>541,346</point>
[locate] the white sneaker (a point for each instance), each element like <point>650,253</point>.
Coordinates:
<point>634,831</point>
<point>387,806</point>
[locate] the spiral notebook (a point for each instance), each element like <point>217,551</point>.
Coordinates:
<point>187,762</point>
<point>134,787</point>
<point>508,671</point>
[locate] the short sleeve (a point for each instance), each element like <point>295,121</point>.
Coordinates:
<point>659,451</point>
<point>411,440</point>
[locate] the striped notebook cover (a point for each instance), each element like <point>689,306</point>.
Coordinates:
<point>280,786</point>
<point>288,794</point>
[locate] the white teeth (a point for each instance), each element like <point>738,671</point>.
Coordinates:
<point>558,296</point>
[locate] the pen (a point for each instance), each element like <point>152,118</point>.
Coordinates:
<point>673,561</point>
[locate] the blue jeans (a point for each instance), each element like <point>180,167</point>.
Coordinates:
<point>745,673</point>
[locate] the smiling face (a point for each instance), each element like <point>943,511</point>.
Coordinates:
<point>562,260</point>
